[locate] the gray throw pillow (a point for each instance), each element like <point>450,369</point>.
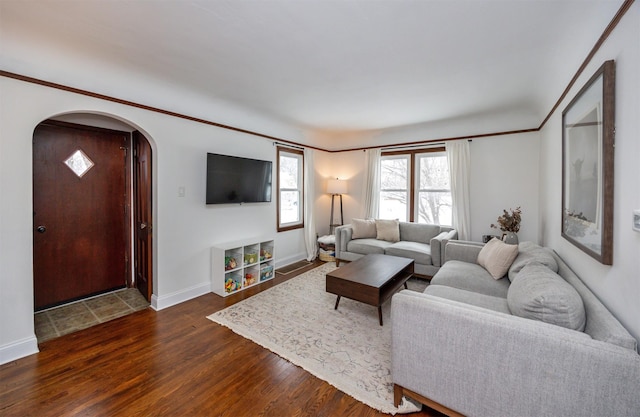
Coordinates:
<point>541,294</point>
<point>530,252</point>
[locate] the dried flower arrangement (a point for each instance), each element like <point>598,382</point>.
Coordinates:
<point>509,222</point>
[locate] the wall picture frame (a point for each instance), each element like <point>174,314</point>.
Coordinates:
<point>588,138</point>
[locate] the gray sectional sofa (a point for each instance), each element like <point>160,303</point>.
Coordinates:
<point>424,243</point>
<point>536,342</point>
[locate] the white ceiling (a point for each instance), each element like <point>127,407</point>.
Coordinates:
<point>335,66</point>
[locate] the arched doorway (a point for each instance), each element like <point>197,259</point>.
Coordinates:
<point>92,209</point>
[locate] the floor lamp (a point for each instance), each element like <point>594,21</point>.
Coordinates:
<point>336,188</point>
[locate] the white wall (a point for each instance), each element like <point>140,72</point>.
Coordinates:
<point>184,227</point>
<point>504,175</point>
<point>347,166</point>
<point>617,286</point>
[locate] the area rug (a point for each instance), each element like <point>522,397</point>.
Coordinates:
<point>346,347</point>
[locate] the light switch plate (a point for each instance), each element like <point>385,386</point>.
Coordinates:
<point>636,220</point>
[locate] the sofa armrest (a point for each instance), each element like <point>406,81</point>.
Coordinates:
<point>481,362</point>
<point>462,250</point>
<point>343,236</point>
<point>438,244</point>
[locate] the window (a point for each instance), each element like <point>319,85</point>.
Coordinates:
<point>290,189</point>
<point>433,196</point>
<point>415,186</point>
<point>394,187</point>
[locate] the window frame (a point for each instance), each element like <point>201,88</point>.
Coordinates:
<point>413,173</point>
<point>298,154</point>
<point>418,190</point>
<point>409,189</point>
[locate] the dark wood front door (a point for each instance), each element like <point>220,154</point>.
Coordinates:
<point>80,212</point>
<point>143,228</point>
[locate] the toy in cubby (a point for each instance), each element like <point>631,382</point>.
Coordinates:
<point>265,254</point>
<point>249,279</point>
<point>250,258</point>
<point>231,285</point>
<point>266,272</point>
<point>230,263</point>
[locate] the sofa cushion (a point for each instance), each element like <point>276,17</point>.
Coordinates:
<point>417,232</point>
<point>364,229</point>
<point>388,230</point>
<point>460,250</point>
<point>498,304</point>
<point>496,257</point>
<point>419,252</point>
<point>529,251</point>
<point>471,277</point>
<point>541,294</point>
<point>367,246</point>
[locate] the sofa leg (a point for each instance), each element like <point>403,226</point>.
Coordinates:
<point>399,392</point>
<point>337,262</point>
<point>397,395</point>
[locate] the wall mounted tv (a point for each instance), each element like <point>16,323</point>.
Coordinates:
<point>236,180</point>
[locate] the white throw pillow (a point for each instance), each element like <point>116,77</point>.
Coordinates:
<point>388,230</point>
<point>496,257</point>
<point>363,228</point>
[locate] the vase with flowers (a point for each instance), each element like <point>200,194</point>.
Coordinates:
<point>509,223</point>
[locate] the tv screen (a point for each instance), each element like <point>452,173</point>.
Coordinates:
<point>232,180</point>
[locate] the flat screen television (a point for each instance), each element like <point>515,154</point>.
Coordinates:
<point>235,180</point>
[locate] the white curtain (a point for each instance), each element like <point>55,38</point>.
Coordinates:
<point>310,238</point>
<point>372,184</point>
<point>459,169</point>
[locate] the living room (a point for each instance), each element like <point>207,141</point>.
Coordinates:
<point>507,170</point>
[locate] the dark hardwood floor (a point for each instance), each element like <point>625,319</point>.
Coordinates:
<point>173,362</point>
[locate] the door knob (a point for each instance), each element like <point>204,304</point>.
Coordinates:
<point>41,229</point>
<point>143,226</point>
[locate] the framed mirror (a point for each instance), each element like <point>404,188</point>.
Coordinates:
<point>588,136</point>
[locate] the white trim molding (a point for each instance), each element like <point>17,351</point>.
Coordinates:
<point>18,349</point>
<point>165,301</point>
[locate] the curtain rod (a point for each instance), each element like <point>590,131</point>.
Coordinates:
<point>288,145</point>
<point>417,145</point>
<point>423,145</point>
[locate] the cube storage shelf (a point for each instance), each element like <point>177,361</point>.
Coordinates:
<point>238,265</point>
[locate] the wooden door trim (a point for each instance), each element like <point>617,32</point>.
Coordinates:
<point>128,232</point>
<point>136,138</point>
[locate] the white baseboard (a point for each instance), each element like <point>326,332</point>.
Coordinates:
<point>18,349</point>
<point>165,301</point>
<point>280,262</point>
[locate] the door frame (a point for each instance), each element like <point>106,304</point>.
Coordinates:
<point>129,232</point>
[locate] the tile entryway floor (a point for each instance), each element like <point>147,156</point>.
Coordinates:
<point>79,315</point>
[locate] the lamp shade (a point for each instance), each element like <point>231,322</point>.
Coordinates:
<point>337,186</point>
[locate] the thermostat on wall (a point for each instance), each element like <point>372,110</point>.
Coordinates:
<point>636,220</point>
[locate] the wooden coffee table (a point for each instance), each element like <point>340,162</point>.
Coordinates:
<point>372,279</point>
